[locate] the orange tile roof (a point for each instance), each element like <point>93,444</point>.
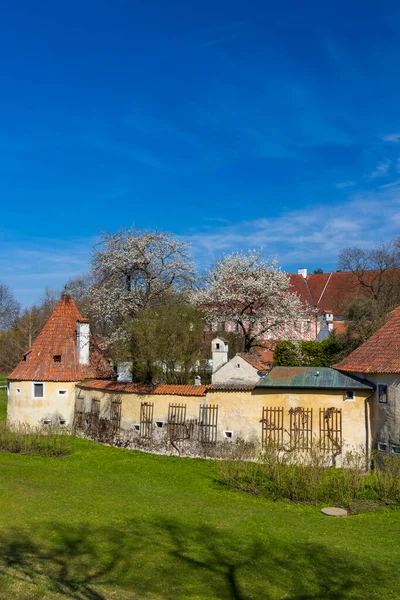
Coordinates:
<point>333,290</point>
<point>143,388</point>
<point>299,285</point>
<point>58,338</point>
<point>180,390</point>
<point>380,353</point>
<point>260,359</point>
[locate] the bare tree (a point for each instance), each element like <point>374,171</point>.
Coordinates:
<point>375,270</point>
<point>9,307</point>
<point>247,290</point>
<point>132,268</point>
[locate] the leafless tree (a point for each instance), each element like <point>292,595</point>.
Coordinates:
<point>376,271</point>
<point>9,307</point>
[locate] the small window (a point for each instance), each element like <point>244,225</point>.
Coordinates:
<point>228,435</point>
<point>238,366</point>
<point>160,424</point>
<point>395,449</point>
<point>136,427</point>
<point>18,390</point>
<point>382,447</point>
<point>62,421</point>
<point>383,393</point>
<point>57,358</point>
<point>24,357</point>
<point>349,395</point>
<point>217,346</point>
<point>62,392</point>
<point>38,390</point>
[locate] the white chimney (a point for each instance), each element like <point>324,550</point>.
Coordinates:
<point>197,380</point>
<point>82,341</point>
<point>302,272</point>
<point>219,350</point>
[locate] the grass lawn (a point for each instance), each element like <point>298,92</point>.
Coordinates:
<point>107,523</point>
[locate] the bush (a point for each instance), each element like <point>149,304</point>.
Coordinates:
<point>44,440</point>
<point>308,478</point>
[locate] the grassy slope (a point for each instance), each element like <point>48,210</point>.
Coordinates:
<point>110,523</point>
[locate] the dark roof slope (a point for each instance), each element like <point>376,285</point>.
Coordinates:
<point>380,353</point>
<point>311,377</point>
<point>58,338</point>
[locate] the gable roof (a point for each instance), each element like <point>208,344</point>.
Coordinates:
<point>380,353</point>
<point>261,359</point>
<point>312,377</point>
<point>58,338</point>
<point>331,291</point>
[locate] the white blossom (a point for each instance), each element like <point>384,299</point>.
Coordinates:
<point>254,294</point>
<point>133,267</point>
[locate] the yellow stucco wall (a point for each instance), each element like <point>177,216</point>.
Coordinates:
<point>22,407</point>
<point>241,411</point>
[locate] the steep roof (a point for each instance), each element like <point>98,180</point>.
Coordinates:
<point>333,290</point>
<point>380,353</point>
<point>58,338</point>
<point>311,377</point>
<point>261,359</point>
<point>299,285</point>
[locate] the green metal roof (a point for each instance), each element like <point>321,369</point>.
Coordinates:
<point>312,377</point>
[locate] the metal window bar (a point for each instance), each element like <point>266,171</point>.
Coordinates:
<point>94,413</point>
<point>272,426</point>
<point>301,428</point>
<point>207,425</point>
<point>330,429</point>
<point>79,413</point>
<point>176,423</point>
<point>115,415</point>
<point>146,420</point>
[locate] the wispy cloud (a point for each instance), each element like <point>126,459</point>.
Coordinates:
<point>312,235</point>
<point>381,169</point>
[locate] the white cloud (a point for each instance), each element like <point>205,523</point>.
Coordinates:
<point>392,137</point>
<point>312,235</point>
<point>381,169</point>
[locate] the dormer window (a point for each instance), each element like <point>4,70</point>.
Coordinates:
<point>57,358</point>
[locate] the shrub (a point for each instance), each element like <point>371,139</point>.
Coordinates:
<point>45,440</point>
<point>308,478</point>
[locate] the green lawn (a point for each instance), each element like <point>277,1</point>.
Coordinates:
<point>111,523</point>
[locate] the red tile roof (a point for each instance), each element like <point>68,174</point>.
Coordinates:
<point>333,290</point>
<point>380,353</point>
<point>143,388</point>
<point>299,285</point>
<point>180,390</point>
<point>58,338</point>
<point>261,359</point>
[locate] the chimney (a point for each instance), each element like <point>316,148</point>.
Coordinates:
<point>219,350</point>
<point>197,380</point>
<point>302,272</point>
<point>82,340</point>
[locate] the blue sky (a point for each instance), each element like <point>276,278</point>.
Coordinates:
<point>232,124</point>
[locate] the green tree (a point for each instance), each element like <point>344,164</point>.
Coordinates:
<point>165,343</point>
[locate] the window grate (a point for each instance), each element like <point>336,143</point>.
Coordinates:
<point>115,415</point>
<point>207,426</point>
<point>330,429</point>
<point>301,428</point>
<point>176,423</point>
<point>272,426</point>
<point>146,420</point>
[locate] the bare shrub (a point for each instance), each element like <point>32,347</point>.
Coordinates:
<point>45,440</point>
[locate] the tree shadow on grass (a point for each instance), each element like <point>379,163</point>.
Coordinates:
<point>172,561</point>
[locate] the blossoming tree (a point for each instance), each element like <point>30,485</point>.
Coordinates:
<point>253,294</point>
<point>133,268</point>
